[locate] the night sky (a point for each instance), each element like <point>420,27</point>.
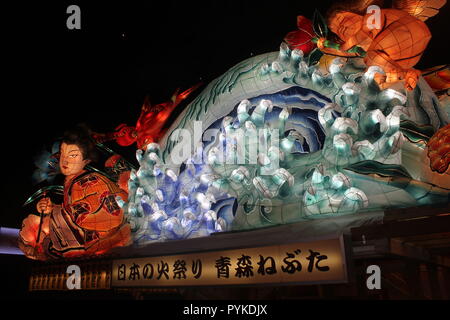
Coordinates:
<point>56,78</point>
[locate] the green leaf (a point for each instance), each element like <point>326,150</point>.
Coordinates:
<point>416,133</point>
<point>375,167</point>
<point>358,50</point>
<point>314,56</point>
<point>319,25</point>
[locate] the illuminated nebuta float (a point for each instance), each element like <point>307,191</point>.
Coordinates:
<point>297,135</point>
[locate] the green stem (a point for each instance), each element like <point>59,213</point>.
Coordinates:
<point>329,44</point>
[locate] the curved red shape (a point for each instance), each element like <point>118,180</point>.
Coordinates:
<point>439,150</point>
<point>301,38</point>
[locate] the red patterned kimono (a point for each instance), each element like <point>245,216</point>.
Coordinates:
<point>89,222</point>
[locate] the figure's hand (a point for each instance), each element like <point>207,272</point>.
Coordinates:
<point>45,206</point>
<point>321,43</point>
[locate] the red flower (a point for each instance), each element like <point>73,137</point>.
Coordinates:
<point>301,39</point>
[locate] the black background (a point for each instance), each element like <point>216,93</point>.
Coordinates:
<point>54,78</point>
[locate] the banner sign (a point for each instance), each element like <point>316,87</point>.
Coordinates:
<point>307,262</point>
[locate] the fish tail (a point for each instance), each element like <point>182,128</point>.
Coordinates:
<point>177,98</point>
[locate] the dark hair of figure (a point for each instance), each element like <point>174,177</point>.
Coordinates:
<point>80,135</point>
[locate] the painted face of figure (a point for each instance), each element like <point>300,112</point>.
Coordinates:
<point>71,161</point>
